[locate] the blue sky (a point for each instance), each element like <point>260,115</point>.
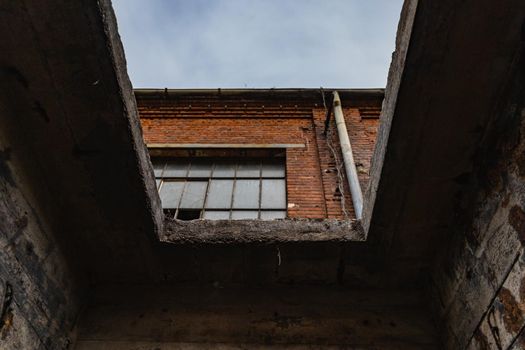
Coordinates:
<point>258,43</point>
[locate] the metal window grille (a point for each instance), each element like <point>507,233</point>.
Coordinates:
<point>222,189</point>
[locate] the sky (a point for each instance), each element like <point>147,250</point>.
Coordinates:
<point>258,43</point>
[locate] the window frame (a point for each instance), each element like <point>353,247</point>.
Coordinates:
<point>213,160</point>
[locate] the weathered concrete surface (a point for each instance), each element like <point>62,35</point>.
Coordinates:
<point>156,345</point>
<point>439,101</point>
<point>479,277</point>
<point>39,287</point>
<point>77,195</point>
<point>445,83</point>
<point>81,207</point>
<point>395,77</point>
<point>254,263</point>
<point>286,317</point>
<point>273,253</point>
<point>445,180</point>
<point>259,231</point>
<point>69,116</point>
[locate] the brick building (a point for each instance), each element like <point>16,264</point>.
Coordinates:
<point>295,127</point>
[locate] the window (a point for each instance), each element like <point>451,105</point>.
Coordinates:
<point>222,188</point>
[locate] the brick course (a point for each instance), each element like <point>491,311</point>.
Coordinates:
<point>312,181</point>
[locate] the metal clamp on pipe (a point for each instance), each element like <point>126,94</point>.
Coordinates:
<point>348,158</point>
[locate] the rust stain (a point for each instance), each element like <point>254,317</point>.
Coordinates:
<point>512,316</point>
<point>517,221</point>
<point>7,324</point>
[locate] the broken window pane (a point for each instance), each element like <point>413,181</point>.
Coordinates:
<point>193,196</point>
<point>170,194</point>
<point>244,214</point>
<point>249,168</point>
<point>273,195</point>
<point>169,213</point>
<point>220,194</point>
<point>188,214</point>
<point>272,214</point>
<point>176,169</point>
<point>273,169</point>
<point>216,215</point>
<point>246,194</point>
<point>210,183</point>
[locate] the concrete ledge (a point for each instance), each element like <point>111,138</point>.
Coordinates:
<point>258,231</point>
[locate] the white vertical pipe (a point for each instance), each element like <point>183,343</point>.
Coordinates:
<point>348,158</point>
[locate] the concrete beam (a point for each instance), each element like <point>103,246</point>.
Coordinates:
<point>451,63</point>
<point>260,231</point>
<point>70,125</point>
<point>281,317</point>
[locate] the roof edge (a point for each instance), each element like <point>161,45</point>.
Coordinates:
<point>298,92</point>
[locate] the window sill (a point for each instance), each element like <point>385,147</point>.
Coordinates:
<point>259,231</point>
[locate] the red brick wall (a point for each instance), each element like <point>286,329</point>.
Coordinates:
<point>311,172</point>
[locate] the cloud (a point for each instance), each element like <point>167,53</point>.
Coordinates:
<point>258,43</point>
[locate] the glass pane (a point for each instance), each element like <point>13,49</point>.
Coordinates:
<point>273,194</point>
<point>270,215</point>
<point>249,168</point>
<point>193,196</point>
<point>273,168</point>
<point>177,168</point>
<point>224,168</point>
<point>158,166</point>
<point>220,194</point>
<point>200,168</point>
<point>158,183</point>
<point>244,214</point>
<point>170,193</point>
<point>246,194</point>
<point>216,215</point>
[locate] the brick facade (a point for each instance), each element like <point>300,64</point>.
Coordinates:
<point>272,117</point>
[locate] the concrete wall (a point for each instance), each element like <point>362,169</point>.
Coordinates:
<point>68,127</point>
<point>271,118</point>
<point>281,317</point>
<point>39,295</point>
<point>478,284</point>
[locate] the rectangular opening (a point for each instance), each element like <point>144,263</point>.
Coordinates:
<point>243,185</point>
<point>188,214</point>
